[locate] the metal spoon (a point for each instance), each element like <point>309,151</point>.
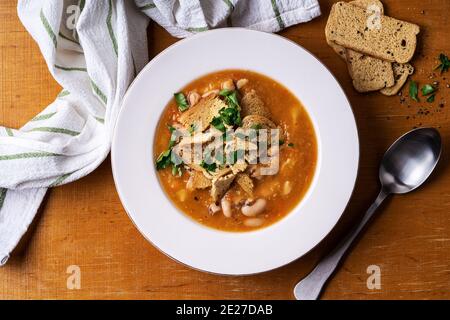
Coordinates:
<point>405,166</point>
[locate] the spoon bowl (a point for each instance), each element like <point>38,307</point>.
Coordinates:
<point>405,166</point>
<point>410,160</point>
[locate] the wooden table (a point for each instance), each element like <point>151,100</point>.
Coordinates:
<point>84,223</point>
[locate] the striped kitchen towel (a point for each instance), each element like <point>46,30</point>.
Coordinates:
<point>94,49</point>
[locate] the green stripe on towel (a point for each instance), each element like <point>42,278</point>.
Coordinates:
<point>48,28</point>
<point>99,92</point>
<point>9,132</point>
<point>147,6</point>
<point>43,116</point>
<point>110,27</point>
<point>101,120</point>
<point>277,14</point>
<point>67,38</point>
<point>55,130</point>
<point>63,93</point>
<point>70,68</point>
<point>199,29</point>
<point>2,196</point>
<point>27,155</point>
<point>60,180</point>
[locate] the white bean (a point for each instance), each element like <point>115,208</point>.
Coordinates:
<point>241,82</point>
<point>253,222</point>
<point>226,207</point>
<point>193,98</point>
<point>254,209</point>
<point>208,93</point>
<point>228,85</point>
<point>213,208</point>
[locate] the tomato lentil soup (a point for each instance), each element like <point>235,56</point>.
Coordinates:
<point>280,193</point>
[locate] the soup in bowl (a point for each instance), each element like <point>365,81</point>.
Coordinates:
<point>235,150</point>
<point>190,224</point>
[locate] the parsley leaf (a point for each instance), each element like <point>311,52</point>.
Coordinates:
<point>173,137</point>
<point>230,116</point>
<point>413,90</point>
<point>171,128</point>
<point>445,63</point>
<point>167,158</point>
<point>291,144</point>
<point>182,103</point>
<point>218,124</point>
<point>230,97</point>
<point>177,170</point>
<point>209,167</point>
<point>431,98</point>
<point>428,89</point>
<point>163,160</point>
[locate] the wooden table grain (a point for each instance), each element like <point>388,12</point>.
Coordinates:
<point>84,223</point>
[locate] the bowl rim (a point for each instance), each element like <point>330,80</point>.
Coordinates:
<point>114,150</point>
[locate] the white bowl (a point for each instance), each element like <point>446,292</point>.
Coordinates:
<point>202,247</point>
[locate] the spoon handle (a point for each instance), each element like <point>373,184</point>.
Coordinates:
<point>310,287</point>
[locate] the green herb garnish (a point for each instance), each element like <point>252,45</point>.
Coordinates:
<point>428,89</point>
<point>225,92</point>
<point>182,103</point>
<point>230,97</point>
<point>291,144</point>
<point>256,126</point>
<point>445,63</point>
<point>209,167</point>
<point>230,116</point>
<point>171,129</point>
<point>173,137</point>
<point>163,160</point>
<point>431,98</point>
<point>413,90</point>
<point>177,170</point>
<point>280,142</point>
<point>218,124</point>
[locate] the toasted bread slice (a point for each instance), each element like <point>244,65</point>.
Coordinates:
<point>197,180</point>
<point>257,122</point>
<point>369,6</point>
<point>369,74</point>
<point>245,182</point>
<point>401,74</point>
<point>394,40</point>
<point>251,104</point>
<point>202,113</point>
<point>220,185</point>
